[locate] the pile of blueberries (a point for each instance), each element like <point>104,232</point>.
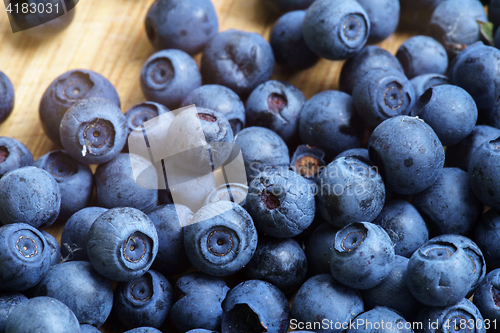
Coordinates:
<point>375,208</point>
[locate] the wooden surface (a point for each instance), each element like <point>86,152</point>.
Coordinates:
<point>109,37</point>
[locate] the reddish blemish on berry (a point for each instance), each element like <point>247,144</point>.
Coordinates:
<point>207,117</point>
<point>276,102</point>
<point>4,153</point>
<point>269,200</point>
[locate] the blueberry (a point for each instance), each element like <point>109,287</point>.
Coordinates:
<point>349,190</point>
<point>24,256</point>
<point>116,186</point>
<point>43,315</point>
<point>323,297</point>
<point>487,235</point>
<point>359,153</point>
<point>487,296</point>
<point>13,155</point>
<point>74,234</point>
<point>168,76</point>
<point>318,248</point>
<point>308,162</point>
<point>383,93</point>
<point>408,153</point>
<point>54,248</point>
<point>75,180</point>
<point>76,284</point>
<point>234,192</point>
<point>122,244</point>
<point>362,255</point>
<point>85,328</point>
<point>261,148</point>
<point>328,121</point>
<point>459,155</point>
<point>220,238</point>
<point>380,319</point>
<point>144,301</point>
<point>221,99</point>
<point>484,171</point>
<point>473,71</point>
<point>144,330</point>
<point>475,255</point>
<point>180,24</point>
<point>383,16</point>
<point>29,195</point>
<point>423,82</point>
<point>449,203</point>
<point>281,262</point>
<point>199,303</point>
<point>276,105</point>
<point>404,225</point>
<point>141,115</point>
<point>450,318</point>
<point>281,203</point>
<point>200,330</point>
<point>67,90</point>
<point>93,131</point>
<point>7,97</point>
<point>255,306</point>
<point>281,6</point>
<point>170,221</point>
<point>422,55</point>
<point>455,24</point>
<point>449,110</point>
<point>237,59</point>
<point>393,291</point>
<point>8,301</point>
<point>336,29</point>
<point>289,47</point>
<point>368,57</point>
<point>440,273</point>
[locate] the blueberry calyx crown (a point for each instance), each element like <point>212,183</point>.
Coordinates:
<point>26,246</point>
<point>141,117</point>
<point>135,247</point>
<point>60,165</point>
<point>269,200</point>
<point>142,290</point>
<point>75,87</point>
<point>276,103</point>
<point>308,166</point>
<point>162,71</point>
<point>352,27</point>
<point>440,250</point>
<point>352,241</point>
<point>207,117</point>
<point>219,242</point>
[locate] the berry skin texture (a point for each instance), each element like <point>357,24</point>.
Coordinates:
<point>93,131</point>
<point>289,47</point>
<point>318,247</point>
<point>220,238</point>
<point>67,90</point>
<point>220,99</point>
<point>116,186</point>
<point>29,195</point>
<point>383,16</point>
<point>75,180</point>
<point>349,189</point>
<point>422,55</point>
<point>484,172</point>
<point>85,328</point>
<point>7,97</point>
<point>42,315</point>
<point>281,262</point>
<point>328,121</point>
<point>237,59</point>
<point>381,94</point>
<point>487,237</point>
<point>24,256</point>
<point>281,203</point>
<point>13,155</point>
<point>168,76</point>
<point>144,301</point>
<point>74,234</point>
<point>256,306</point>
<point>144,330</point>
<point>181,24</point>
<point>380,314</point>
<point>122,244</point>
<point>76,284</point>
<point>54,248</point>
<point>8,301</point>
<point>276,105</point>
<point>423,82</point>
<point>408,154</point>
<point>199,302</point>
<point>323,297</point>
<point>449,110</point>
<point>336,29</point>
<point>362,255</point>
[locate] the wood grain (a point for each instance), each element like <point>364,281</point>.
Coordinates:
<point>109,37</point>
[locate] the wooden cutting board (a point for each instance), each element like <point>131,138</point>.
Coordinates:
<point>109,38</point>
